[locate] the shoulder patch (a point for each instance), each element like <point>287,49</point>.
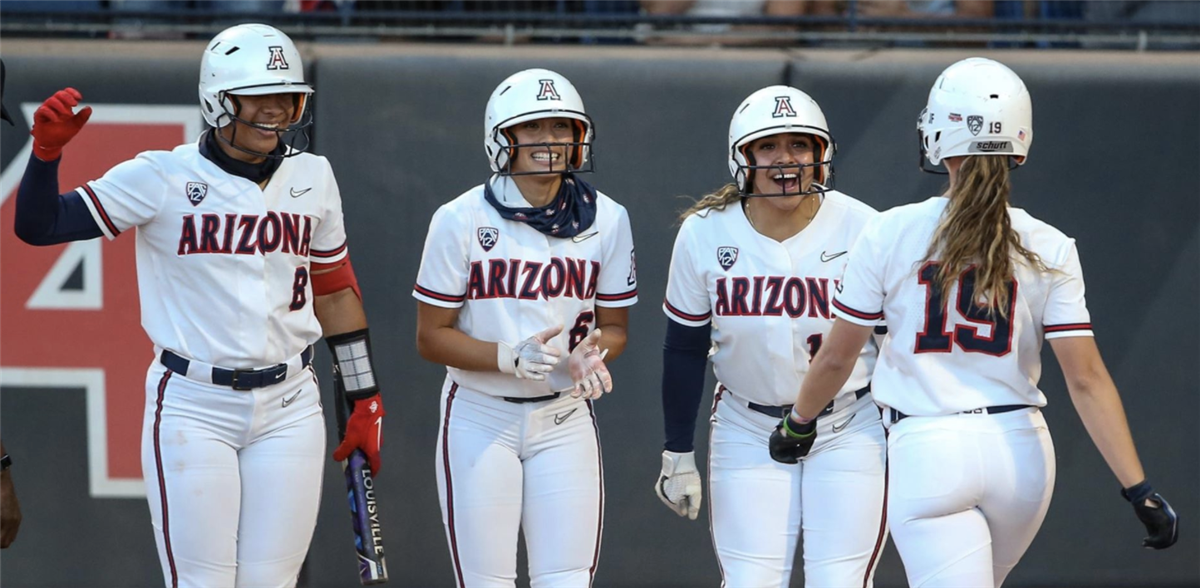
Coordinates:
<point>727,256</point>
<point>196,191</point>
<point>488,236</point>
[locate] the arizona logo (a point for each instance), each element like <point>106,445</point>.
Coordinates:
<point>196,191</point>
<point>548,92</point>
<point>488,237</point>
<point>277,61</point>
<point>727,256</point>
<point>783,107</point>
<point>975,124</point>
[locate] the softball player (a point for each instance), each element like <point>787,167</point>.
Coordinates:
<point>242,264</point>
<point>751,276</point>
<point>969,289</point>
<point>515,274</point>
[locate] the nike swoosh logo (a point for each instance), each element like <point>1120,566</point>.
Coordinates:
<point>582,238</point>
<point>296,194</point>
<point>562,418</point>
<point>838,428</point>
<point>287,401</point>
<point>826,257</point>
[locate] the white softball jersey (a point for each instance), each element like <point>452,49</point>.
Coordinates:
<point>512,281</point>
<point>946,355</point>
<point>222,265</point>
<point>724,271</point>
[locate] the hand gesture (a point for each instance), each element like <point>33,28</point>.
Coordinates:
<point>791,440</point>
<point>530,359</point>
<point>364,430</point>
<point>55,124</point>
<point>586,365</point>
<point>679,485</point>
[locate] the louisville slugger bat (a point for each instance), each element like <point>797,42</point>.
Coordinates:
<point>360,490</point>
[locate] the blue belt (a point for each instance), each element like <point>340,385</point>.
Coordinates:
<point>782,411</point>
<point>238,379</point>
<point>523,400</point>
<point>898,416</point>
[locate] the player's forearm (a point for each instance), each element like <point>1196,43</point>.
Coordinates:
<point>613,338</point>
<point>452,347</point>
<point>340,312</point>
<point>831,367</point>
<point>1099,406</point>
<point>43,216</point>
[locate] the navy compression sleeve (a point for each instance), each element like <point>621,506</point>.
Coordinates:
<point>685,357</point>
<point>45,217</point>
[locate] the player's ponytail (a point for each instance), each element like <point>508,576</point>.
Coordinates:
<point>976,229</point>
<point>729,193</point>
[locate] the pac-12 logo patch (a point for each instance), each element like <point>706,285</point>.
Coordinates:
<point>548,91</point>
<point>277,61</point>
<point>975,124</point>
<point>196,191</point>
<point>488,237</point>
<point>783,107</point>
<point>727,256</point>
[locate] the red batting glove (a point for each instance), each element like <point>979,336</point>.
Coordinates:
<point>54,123</point>
<point>364,430</point>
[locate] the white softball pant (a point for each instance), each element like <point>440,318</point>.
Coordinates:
<point>233,478</point>
<point>757,506</point>
<point>534,467</point>
<point>968,493</point>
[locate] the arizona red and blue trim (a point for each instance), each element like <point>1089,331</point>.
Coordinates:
<point>683,315</point>
<point>867,316</point>
<point>162,481</point>
<point>617,297</point>
<point>1068,327</point>
<point>336,251</point>
<point>112,228</point>
<point>458,573</point>
<point>438,295</point>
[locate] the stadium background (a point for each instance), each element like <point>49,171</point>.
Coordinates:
<point>1115,164</point>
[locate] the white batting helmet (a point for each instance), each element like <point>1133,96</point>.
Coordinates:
<point>530,95</point>
<point>976,107</point>
<point>249,60</point>
<point>772,111</point>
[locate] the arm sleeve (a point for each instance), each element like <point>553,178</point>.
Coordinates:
<point>442,279</point>
<point>617,286</point>
<point>129,195</point>
<point>687,301</point>
<point>685,355</point>
<point>859,297</point>
<point>1066,308</point>
<point>329,242</point>
<point>45,217</point>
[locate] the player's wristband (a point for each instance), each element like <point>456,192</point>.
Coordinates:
<point>798,430</point>
<point>352,363</point>
<point>1139,492</point>
<point>5,462</point>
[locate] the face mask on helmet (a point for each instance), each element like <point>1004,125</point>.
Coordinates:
<point>254,60</point>
<point>976,107</point>
<point>776,110</point>
<point>531,95</point>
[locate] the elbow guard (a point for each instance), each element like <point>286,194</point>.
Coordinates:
<point>341,277</point>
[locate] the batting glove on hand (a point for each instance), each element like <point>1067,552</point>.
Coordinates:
<point>679,484</point>
<point>1160,519</point>
<point>364,430</point>
<point>791,440</point>
<point>587,368</point>
<point>530,359</point>
<point>54,123</point>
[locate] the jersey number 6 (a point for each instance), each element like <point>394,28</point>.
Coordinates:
<point>580,331</point>
<point>936,339</point>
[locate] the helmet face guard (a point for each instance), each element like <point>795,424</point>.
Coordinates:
<point>778,110</point>
<point>578,150</point>
<point>823,172</point>
<point>295,137</point>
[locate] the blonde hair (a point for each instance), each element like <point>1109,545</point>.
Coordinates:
<point>976,229</point>
<point>724,196</point>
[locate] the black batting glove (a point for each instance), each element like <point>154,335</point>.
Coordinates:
<point>1160,519</point>
<point>791,440</point>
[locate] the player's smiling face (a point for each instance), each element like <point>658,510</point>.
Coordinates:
<point>268,114</point>
<point>546,159</point>
<point>787,151</point>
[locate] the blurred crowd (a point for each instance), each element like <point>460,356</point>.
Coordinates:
<point>1129,10</point>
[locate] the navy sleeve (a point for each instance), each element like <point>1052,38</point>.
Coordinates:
<point>685,357</point>
<point>45,217</point>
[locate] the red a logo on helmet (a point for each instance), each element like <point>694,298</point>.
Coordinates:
<point>548,92</point>
<point>277,61</point>
<point>783,107</point>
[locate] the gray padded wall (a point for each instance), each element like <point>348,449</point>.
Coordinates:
<point>1114,164</point>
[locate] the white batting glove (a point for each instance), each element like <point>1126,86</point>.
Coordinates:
<point>679,484</point>
<point>530,359</point>
<point>586,365</point>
